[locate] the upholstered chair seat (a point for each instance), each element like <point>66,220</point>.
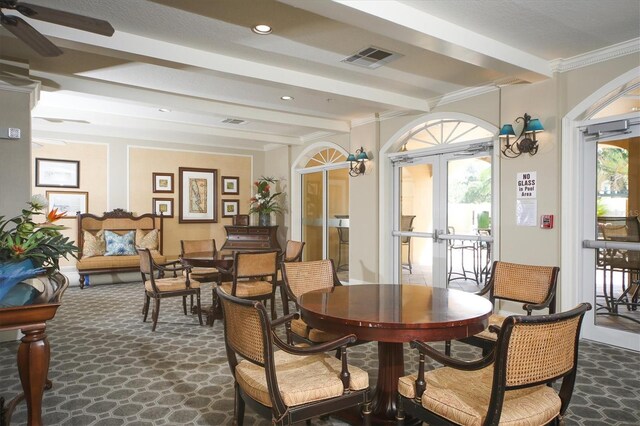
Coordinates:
<point>171,284</point>
<point>249,288</point>
<point>494,319</point>
<point>462,397</point>
<point>511,385</point>
<point>301,379</point>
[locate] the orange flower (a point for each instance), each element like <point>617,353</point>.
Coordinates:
<point>54,215</point>
<point>18,250</point>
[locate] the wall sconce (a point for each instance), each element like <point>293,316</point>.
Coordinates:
<point>356,162</point>
<point>526,142</point>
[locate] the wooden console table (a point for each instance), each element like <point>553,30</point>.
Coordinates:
<point>33,357</point>
<point>251,238</point>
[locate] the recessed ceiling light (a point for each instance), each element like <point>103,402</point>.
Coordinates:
<point>262,29</point>
<point>286,98</point>
<point>164,110</point>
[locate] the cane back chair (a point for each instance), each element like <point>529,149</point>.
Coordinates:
<point>292,253</point>
<point>300,278</point>
<point>199,273</point>
<point>509,385</point>
<point>532,285</point>
<point>294,383</point>
<point>253,276</point>
<point>160,288</point>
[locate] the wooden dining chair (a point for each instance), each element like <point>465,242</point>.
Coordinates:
<point>292,253</point>
<point>160,288</point>
<point>508,386</point>
<point>532,285</point>
<point>300,278</point>
<point>201,274</point>
<point>253,276</point>
<point>293,384</point>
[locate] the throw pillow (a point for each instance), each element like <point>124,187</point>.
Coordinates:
<point>93,244</point>
<point>147,239</point>
<point>120,245</point>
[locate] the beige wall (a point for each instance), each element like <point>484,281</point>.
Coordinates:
<point>93,179</point>
<point>169,161</point>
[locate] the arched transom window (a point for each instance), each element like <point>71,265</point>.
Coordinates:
<point>326,156</point>
<point>442,132</point>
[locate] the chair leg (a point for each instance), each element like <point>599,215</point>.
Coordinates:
<point>409,258</point>
<point>366,413</point>
<point>156,312</point>
<point>199,307</point>
<point>399,411</point>
<point>238,409</point>
<point>184,304</point>
<point>145,307</point>
<point>447,347</point>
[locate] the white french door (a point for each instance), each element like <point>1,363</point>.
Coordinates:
<point>442,199</point>
<point>610,233</point>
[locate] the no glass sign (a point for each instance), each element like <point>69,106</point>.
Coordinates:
<point>526,184</point>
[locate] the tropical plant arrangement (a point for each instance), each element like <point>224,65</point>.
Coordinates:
<point>41,244</point>
<point>264,202</point>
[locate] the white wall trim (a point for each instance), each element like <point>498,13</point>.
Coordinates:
<point>315,136</point>
<point>22,85</point>
<point>190,150</point>
<point>376,118</point>
<point>600,55</point>
<point>571,275</point>
<point>296,164</point>
<point>385,188</point>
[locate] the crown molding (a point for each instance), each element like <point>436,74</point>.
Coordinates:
<point>596,56</point>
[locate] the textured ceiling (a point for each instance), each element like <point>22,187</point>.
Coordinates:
<point>200,60</point>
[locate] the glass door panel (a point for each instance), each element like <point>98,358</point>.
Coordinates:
<point>617,269</point>
<point>416,215</point>
<point>468,217</point>
<point>338,220</point>
<point>312,215</point>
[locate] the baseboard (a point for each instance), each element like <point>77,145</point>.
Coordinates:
<point>97,279</point>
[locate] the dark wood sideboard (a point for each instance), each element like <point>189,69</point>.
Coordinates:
<point>251,238</point>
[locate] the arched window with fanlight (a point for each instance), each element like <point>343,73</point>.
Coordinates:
<point>323,175</point>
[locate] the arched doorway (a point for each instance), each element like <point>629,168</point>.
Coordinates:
<point>601,195</point>
<point>320,206</point>
<point>438,175</point>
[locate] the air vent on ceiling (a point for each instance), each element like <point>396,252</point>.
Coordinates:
<point>234,121</point>
<point>371,57</point>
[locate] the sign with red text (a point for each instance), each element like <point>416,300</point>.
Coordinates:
<point>526,185</point>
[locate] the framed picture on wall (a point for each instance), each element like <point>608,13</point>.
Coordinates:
<point>230,185</point>
<point>163,206</point>
<point>163,182</point>
<point>57,173</point>
<point>198,195</point>
<point>70,202</point>
<point>230,208</point>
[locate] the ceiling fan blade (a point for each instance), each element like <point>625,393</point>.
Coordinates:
<point>68,19</point>
<point>29,35</point>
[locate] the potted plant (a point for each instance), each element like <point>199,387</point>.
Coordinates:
<point>264,202</point>
<point>27,248</point>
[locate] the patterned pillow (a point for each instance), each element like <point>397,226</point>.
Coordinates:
<point>120,245</point>
<point>93,244</point>
<point>147,239</point>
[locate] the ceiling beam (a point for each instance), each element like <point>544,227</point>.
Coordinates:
<point>140,96</point>
<point>157,49</point>
<point>402,22</point>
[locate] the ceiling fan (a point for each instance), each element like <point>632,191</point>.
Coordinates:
<point>25,32</point>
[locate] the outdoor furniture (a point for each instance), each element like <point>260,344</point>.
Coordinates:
<point>293,384</point>
<point>534,286</point>
<point>160,288</point>
<point>462,247</point>
<point>509,385</point>
<point>406,224</point>
<point>253,276</point>
<point>343,240</point>
<point>393,314</point>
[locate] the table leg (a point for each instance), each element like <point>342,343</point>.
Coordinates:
<point>33,366</point>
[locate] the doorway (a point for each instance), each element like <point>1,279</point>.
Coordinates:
<point>443,206</point>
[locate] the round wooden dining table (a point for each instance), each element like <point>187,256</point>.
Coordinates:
<point>393,314</point>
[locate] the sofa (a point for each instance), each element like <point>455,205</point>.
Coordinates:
<point>105,242</point>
